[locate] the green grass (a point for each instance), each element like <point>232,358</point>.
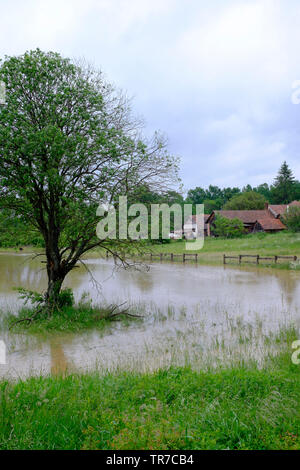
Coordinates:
<point>68,319</point>
<point>235,408</point>
<point>284,243</point>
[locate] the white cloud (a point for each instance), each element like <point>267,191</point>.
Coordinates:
<point>215,76</point>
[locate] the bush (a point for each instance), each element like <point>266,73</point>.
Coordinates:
<point>292,219</point>
<point>228,228</point>
<point>66,298</point>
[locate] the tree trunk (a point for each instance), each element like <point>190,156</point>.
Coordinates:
<point>56,276</point>
<point>53,290</point>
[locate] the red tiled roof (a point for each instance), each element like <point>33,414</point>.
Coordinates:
<point>269,223</point>
<point>194,219</point>
<point>295,203</point>
<point>247,217</point>
<point>277,209</point>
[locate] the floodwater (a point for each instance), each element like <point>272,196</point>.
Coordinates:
<point>193,314</point>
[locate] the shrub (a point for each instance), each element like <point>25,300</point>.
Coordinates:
<point>292,219</point>
<point>66,298</point>
<point>228,228</point>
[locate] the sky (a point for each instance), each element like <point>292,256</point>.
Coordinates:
<point>215,77</point>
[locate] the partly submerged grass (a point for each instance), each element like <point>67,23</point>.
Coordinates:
<point>66,319</point>
<point>233,408</point>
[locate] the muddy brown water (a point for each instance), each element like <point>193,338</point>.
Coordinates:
<point>193,314</point>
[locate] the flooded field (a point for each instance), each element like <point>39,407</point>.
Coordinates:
<point>198,315</point>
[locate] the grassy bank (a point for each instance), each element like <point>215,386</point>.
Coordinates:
<point>284,243</point>
<point>241,408</point>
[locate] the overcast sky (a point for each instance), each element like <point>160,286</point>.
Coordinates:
<point>216,76</point>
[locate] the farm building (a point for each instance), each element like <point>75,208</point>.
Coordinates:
<point>190,228</point>
<point>265,220</point>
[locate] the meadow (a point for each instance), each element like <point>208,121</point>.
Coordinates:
<point>178,408</point>
<point>284,243</point>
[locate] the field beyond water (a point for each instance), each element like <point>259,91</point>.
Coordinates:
<point>284,243</point>
<point>238,408</point>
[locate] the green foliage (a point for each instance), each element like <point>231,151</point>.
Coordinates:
<point>66,298</point>
<point>238,408</point>
<point>228,228</point>
<point>68,141</point>
<point>213,193</point>
<point>30,296</point>
<point>15,231</point>
<point>67,319</point>
<point>249,200</point>
<point>292,219</point>
<point>283,190</point>
<point>212,205</point>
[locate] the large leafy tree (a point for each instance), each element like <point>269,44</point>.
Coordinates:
<point>67,141</point>
<point>283,190</point>
<point>248,200</point>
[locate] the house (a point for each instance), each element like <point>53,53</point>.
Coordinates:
<point>190,228</point>
<point>265,220</point>
<point>279,210</point>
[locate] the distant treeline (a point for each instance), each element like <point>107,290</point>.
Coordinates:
<point>285,189</point>
<point>14,231</point>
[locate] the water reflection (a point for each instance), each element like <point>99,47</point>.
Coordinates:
<point>195,314</point>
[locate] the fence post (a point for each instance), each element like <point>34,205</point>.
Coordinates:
<point>240,259</point>
<point>275,259</point>
<point>224,259</point>
<point>183,257</point>
<point>172,257</point>
<point>257,259</point>
<point>295,258</point>
<point>196,257</point>
<point>161,256</point>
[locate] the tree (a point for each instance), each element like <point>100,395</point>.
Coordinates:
<point>283,188</point>
<point>292,219</point>
<point>212,205</point>
<point>67,142</point>
<point>264,190</point>
<point>228,228</point>
<point>246,201</point>
<point>196,196</point>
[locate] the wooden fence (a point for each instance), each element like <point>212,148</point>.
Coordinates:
<point>194,257</point>
<point>258,258</point>
<point>169,256</point>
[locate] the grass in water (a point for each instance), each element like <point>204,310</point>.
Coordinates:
<point>178,408</point>
<point>67,319</point>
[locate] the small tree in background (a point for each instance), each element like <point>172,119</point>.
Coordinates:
<point>292,219</point>
<point>228,228</point>
<point>283,190</point>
